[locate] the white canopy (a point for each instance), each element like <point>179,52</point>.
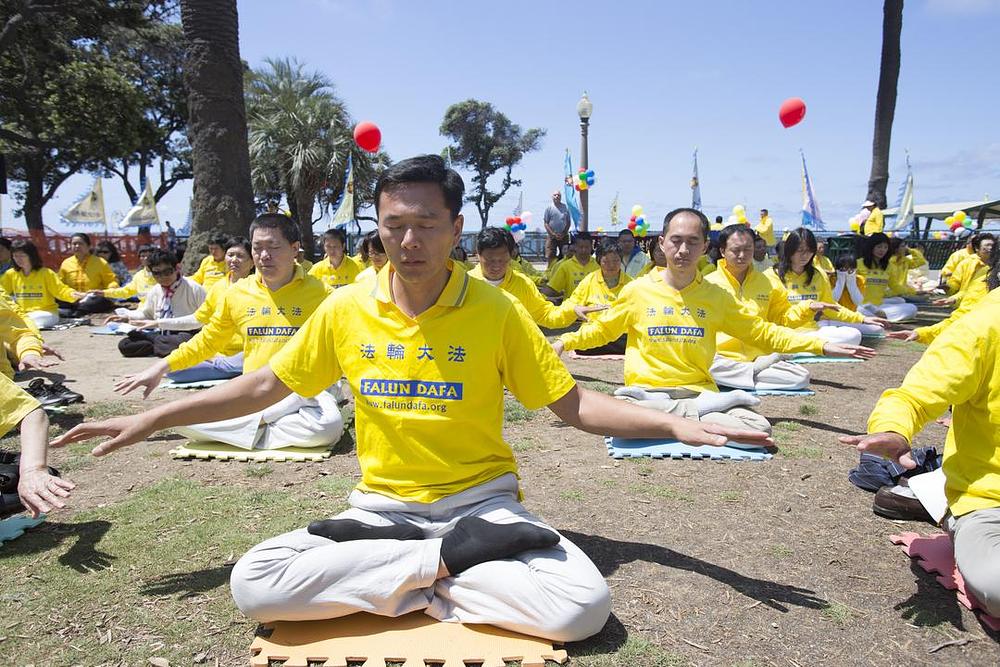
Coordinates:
<point>943,210</point>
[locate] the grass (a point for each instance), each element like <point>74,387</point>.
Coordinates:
<point>635,652</point>
<point>151,569</point>
<point>787,427</point>
<point>522,446</point>
<point>793,451</point>
<point>730,496</point>
<point>808,409</point>
<point>781,551</point>
<point>257,471</point>
<point>837,612</point>
<point>660,491</point>
<point>599,386</point>
<point>572,495</point>
<point>514,412</point>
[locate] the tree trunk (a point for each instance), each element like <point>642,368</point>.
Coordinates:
<point>304,203</point>
<point>217,128</point>
<point>885,104</point>
<point>34,197</point>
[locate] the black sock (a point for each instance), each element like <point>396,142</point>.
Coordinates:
<point>345,530</point>
<point>474,541</point>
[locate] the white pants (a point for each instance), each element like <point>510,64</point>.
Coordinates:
<point>741,375</point>
<point>865,329</point>
<point>681,402</point>
<point>293,421</point>
<point>838,334</point>
<point>44,319</point>
<point>556,593</point>
<point>896,309</point>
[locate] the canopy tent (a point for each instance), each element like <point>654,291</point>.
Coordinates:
<point>980,211</point>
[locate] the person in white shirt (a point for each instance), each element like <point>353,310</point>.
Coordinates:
<point>634,260</point>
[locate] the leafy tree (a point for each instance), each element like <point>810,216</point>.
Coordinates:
<point>885,103</point>
<point>487,142</point>
<point>217,129</point>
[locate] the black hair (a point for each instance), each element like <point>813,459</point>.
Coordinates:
<point>993,277</point>
<point>29,249</point>
<point>495,237</point>
<point>159,257</point>
<point>288,228</point>
<point>606,246</point>
<point>626,232</point>
<point>5,242</point>
<point>221,240</point>
<point>146,247</point>
<point>733,230</point>
<point>846,262</point>
<point>867,252</point>
<point>581,236</point>
<point>791,244</point>
<point>895,243</point>
<point>705,225</point>
<point>424,169</point>
<point>336,234</point>
<point>985,236</point>
<point>718,219</point>
<point>83,237</point>
<point>240,242</point>
<point>371,242</point>
<point>459,253</point>
<point>111,249</point>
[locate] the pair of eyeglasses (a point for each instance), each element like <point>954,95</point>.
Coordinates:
<point>163,273</point>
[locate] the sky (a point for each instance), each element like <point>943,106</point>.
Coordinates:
<point>664,78</point>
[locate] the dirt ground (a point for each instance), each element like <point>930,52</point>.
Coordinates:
<point>710,563</point>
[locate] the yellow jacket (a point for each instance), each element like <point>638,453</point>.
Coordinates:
<point>672,334</point>
<point>967,271</point>
<point>961,368</point>
<point>18,335</point>
<point>823,263</point>
<point>977,292</point>
<point>543,312</point>
<point>92,273</point>
<point>36,291</point>
<point>800,289</point>
<point>954,259</point>
<point>142,281</point>
<point>899,270</point>
<point>766,229</point>
<point>875,222</point>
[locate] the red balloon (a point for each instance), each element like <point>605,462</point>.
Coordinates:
<point>367,136</point>
<point>632,225</point>
<point>792,111</point>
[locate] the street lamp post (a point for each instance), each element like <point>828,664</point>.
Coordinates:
<point>584,108</point>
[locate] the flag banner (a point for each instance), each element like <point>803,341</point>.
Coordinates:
<point>695,185</point>
<point>904,206</point>
<point>569,194</point>
<point>520,205</point>
<point>88,209</point>
<point>615,220</point>
<point>143,214</point>
<point>811,217</point>
<point>185,229</point>
<point>344,207</point>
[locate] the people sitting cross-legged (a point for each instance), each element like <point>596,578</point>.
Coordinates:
<point>970,270</point>
<point>20,341</point>
<point>571,270</point>
<point>227,362</point>
<point>874,267</point>
<point>960,369</point>
<point>739,364</point>
<point>266,310</point>
<point>34,287</point>
<point>142,280</point>
<point>804,282</point>
<point>672,318</point>
<point>213,265</point>
<point>436,523</point>
<point>84,272</point>
<point>956,258</point>
<point>848,291</point>
<point>158,331</point>
<point>336,269</point>
<point>599,290</point>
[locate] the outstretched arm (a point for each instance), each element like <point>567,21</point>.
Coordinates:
<point>39,491</point>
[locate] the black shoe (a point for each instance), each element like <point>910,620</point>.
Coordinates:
<point>10,504</point>
<point>70,396</point>
<point>44,394</point>
<point>896,502</point>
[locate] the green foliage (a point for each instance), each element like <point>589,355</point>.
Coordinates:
<point>486,142</point>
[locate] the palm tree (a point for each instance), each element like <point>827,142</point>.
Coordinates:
<point>885,104</point>
<point>217,130</point>
<point>300,136</point>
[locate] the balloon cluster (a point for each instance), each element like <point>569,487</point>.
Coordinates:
<point>957,220</point>
<point>516,224</point>
<point>739,216</point>
<point>584,180</point>
<point>637,223</point>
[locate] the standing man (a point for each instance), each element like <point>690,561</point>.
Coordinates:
<point>875,222</point>
<point>765,228</point>
<point>557,221</point>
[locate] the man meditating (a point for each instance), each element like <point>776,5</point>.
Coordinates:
<point>435,523</point>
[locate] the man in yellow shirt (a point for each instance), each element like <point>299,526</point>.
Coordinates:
<point>956,258</point>
<point>672,318</point>
<point>875,222</point>
<point>973,268</point>
<point>336,269</point>
<point>213,266</point>
<point>961,369</point>
<point>435,523</point>
<point>266,310</point>
<point>765,228</point>
<point>572,270</point>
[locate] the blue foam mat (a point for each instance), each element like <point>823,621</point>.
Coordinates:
<point>622,448</point>
<point>825,360</point>
<point>13,527</point>
<point>774,392</point>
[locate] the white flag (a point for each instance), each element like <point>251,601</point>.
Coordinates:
<point>143,213</point>
<point>88,209</point>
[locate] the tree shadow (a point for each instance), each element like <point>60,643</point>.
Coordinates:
<point>346,443</point>
<point>83,555</point>
<point>821,426</point>
<point>188,584</point>
<point>931,604</point>
<point>609,555</point>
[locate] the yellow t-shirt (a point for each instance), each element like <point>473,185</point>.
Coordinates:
<point>876,283</point>
<point>209,272</point>
<point>15,404</point>
<point>213,299</point>
<point>954,259</point>
<point>142,281</point>
<point>961,368</point>
<point>899,270</point>
<point>966,273</point>
<point>823,263</point>
<point>569,273</point>
<point>766,229</point>
<point>915,259</point>
<point>18,335</point>
<point>345,274</point>
<point>671,334</point>
<point>593,290</point>
<point>976,292</point>
<point>799,288</point>
<point>305,264</point>
<point>36,291</point>
<point>266,320</point>
<point>875,222</point>
<point>542,311</point>
<point>526,267</point>
<point>429,389</point>
<point>759,297</point>
<point>92,273</point>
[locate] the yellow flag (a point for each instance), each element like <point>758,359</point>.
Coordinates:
<point>143,213</point>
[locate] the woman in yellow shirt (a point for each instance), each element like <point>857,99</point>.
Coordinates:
<point>373,255</point>
<point>601,288</point>
<point>83,272</point>
<point>874,268</point>
<point>34,287</point>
